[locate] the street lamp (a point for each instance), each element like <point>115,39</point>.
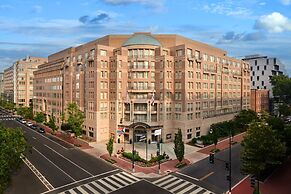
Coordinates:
<point>133,136</point>
<point>229,176</point>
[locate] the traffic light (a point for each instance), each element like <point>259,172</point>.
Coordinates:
<point>253,181</point>
<point>211,158</point>
<point>227,166</point>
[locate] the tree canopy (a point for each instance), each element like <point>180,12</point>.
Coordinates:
<point>261,148</point>
<point>75,118</point>
<point>12,145</point>
<point>179,146</point>
<point>39,117</point>
<point>282,88</point>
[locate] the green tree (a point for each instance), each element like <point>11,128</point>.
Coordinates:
<point>75,118</point>
<point>26,112</point>
<point>277,124</point>
<point>244,118</point>
<point>284,110</point>
<point>12,145</point>
<point>282,88</point>
<point>110,146</point>
<point>214,138</point>
<point>179,146</point>
<point>39,117</point>
<point>261,149</point>
<point>52,123</point>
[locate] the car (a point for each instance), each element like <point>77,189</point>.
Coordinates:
<point>40,130</point>
<point>19,119</point>
<point>23,121</point>
<point>33,127</point>
<point>29,124</point>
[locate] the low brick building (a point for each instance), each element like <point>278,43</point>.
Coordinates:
<point>260,100</point>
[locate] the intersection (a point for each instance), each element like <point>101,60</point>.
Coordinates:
<point>68,170</point>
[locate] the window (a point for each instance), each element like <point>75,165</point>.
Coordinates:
<point>258,67</point>
<point>103,52</point>
<point>189,136</point>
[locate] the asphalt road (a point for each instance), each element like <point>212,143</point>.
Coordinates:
<point>213,176</point>
<point>68,170</point>
<point>60,164</point>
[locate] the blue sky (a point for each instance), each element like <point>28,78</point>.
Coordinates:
<point>42,27</point>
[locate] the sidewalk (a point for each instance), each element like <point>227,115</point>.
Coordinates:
<point>223,144</point>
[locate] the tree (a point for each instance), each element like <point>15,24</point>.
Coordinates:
<point>52,123</point>
<point>12,145</point>
<point>214,138</point>
<point>26,112</point>
<point>110,146</point>
<point>284,110</point>
<point>39,117</point>
<point>75,118</point>
<point>179,146</point>
<point>261,149</point>
<point>282,88</point>
<point>244,118</point>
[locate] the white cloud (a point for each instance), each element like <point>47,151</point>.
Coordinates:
<point>286,2</point>
<point>274,22</point>
<point>158,5</point>
<point>228,8</point>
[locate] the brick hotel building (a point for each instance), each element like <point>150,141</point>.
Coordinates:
<point>146,82</point>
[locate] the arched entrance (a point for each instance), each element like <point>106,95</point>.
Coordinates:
<point>140,134</point>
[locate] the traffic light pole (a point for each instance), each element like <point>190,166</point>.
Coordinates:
<point>229,188</point>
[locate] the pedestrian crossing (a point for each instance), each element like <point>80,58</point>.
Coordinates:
<point>180,186</point>
<point>6,117</point>
<point>104,185</point>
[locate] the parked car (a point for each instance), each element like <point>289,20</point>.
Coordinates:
<point>19,119</point>
<point>33,127</point>
<point>40,130</point>
<point>29,124</point>
<point>23,121</point>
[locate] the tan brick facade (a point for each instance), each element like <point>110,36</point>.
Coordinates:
<point>113,80</point>
<point>18,80</point>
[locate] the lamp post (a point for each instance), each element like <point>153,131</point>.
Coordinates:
<point>229,178</point>
<point>133,136</point>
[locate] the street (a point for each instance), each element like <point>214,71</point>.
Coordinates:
<point>62,168</point>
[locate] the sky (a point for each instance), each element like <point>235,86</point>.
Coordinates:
<point>241,27</point>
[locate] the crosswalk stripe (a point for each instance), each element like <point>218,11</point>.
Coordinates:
<point>196,190</point>
<point>114,183</point>
<point>159,180</point>
<point>116,178</point>
<point>166,182</point>
<point>174,183</point>
<point>179,187</point>
<point>72,191</point>
<point>125,178</point>
<point>107,185</point>
<point>90,188</point>
<point>186,189</point>
<point>82,190</point>
<point>99,187</point>
<point>130,176</point>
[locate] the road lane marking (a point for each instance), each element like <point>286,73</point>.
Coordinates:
<point>206,176</point>
<point>44,136</point>
<point>195,179</point>
<point>54,164</point>
<point>42,178</point>
<point>69,160</point>
<point>108,172</point>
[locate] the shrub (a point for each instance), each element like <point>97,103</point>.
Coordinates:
<point>111,161</point>
<point>181,165</point>
<point>129,156</point>
<point>157,158</point>
<point>215,150</point>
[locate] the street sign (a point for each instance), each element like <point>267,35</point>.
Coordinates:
<point>158,132</point>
